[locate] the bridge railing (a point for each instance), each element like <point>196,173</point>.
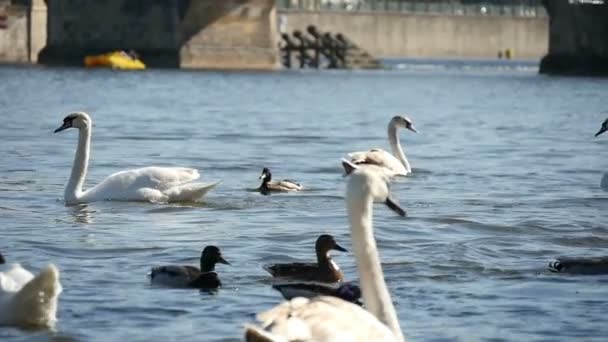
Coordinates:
<point>515,8</point>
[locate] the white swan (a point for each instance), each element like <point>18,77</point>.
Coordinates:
<point>28,301</point>
<point>395,164</point>
<point>327,318</point>
<point>153,184</point>
<point>604,128</point>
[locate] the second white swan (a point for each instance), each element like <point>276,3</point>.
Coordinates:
<point>395,164</point>
<point>327,318</point>
<point>153,184</point>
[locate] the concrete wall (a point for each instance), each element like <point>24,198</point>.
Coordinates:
<point>13,38</point>
<point>166,33</point>
<point>578,43</point>
<point>429,35</point>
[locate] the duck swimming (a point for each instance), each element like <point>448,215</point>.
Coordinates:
<point>581,265</point>
<point>27,300</point>
<point>604,128</point>
<point>280,186</point>
<point>346,291</point>
<point>190,276</point>
<point>324,270</point>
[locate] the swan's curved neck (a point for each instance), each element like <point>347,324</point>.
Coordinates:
<point>375,293</point>
<point>396,146</point>
<point>73,190</point>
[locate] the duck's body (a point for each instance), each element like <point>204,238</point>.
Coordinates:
<point>324,270</point>
<point>580,265</point>
<point>326,318</point>
<point>152,184</point>
<point>395,164</point>
<point>604,128</point>
<point>277,186</point>
<point>27,300</point>
<point>346,291</point>
<point>190,276</point>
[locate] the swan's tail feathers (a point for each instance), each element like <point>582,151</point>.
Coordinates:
<point>255,334</point>
<point>36,303</point>
<point>189,192</point>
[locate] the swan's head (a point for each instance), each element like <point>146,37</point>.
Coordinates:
<point>266,175</point>
<point>212,255</point>
<point>326,242</point>
<point>603,129</point>
<point>76,120</point>
<point>403,122</point>
<point>370,181</point>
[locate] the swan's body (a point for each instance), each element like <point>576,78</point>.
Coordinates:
<point>284,185</point>
<point>395,164</point>
<point>327,318</point>
<point>190,276</point>
<point>28,301</point>
<point>153,184</point>
<point>604,128</point>
<point>324,270</point>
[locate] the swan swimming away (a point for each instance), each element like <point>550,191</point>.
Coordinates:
<point>326,318</point>
<point>604,128</point>
<point>395,164</point>
<point>153,184</point>
<point>28,301</point>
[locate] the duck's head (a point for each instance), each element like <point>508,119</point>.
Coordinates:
<point>326,242</point>
<point>2,261</point>
<point>266,176</point>
<point>210,256</point>
<point>603,129</point>
<point>403,122</point>
<point>75,120</point>
<point>370,181</point>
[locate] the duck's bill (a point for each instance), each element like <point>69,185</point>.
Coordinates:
<point>63,127</point>
<point>602,130</point>
<point>340,248</point>
<point>395,206</point>
<point>221,260</point>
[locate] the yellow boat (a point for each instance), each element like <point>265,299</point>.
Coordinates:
<point>115,60</point>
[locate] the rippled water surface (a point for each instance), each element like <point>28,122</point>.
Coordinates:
<point>506,177</point>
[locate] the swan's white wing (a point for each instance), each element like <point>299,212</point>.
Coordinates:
<point>14,277</point>
<point>157,184</point>
<point>321,318</point>
<point>153,177</point>
<point>380,158</point>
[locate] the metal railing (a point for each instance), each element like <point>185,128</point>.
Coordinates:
<point>515,8</point>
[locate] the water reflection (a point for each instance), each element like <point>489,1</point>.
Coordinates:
<point>81,213</point>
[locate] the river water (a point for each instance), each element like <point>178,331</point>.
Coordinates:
<point>506,177</point>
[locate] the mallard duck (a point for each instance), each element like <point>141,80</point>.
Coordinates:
<point>280,186</point>
<point>324,270</point>
<point>190,276</point>
<point>592,265</point>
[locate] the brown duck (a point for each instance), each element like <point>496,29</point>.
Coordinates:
<point>324,270</point>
